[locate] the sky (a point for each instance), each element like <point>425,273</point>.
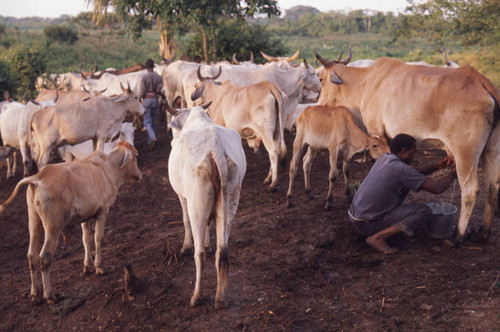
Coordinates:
<point>56,8</point>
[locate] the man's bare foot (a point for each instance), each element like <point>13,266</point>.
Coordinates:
<point>380,245</point>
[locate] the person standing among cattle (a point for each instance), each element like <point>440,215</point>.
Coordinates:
<point>377,210</point>
<point>150,90</point>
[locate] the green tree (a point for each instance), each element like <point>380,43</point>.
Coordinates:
<point>7,82</point>
<point>469,22</point>
<point>60,33</point>
<point>26,64</point>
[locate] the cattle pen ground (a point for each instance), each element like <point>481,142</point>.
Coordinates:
<point>292,269</point>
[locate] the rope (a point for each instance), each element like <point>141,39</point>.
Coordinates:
<point>452,194</point>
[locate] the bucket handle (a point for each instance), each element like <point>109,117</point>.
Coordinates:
<point>452,195</point>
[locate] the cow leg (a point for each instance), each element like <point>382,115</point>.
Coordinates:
<point>46,257</point>
<point>187,244</point>
<point>35,246</point>
<point>98,238</point>
<point>273,151</point>
<point>306,165</point>
<point>332,176</point>
<point>12,165</point>
<point>345,172</point>
<point>491,177</point>
<point>467,177</point>
<point>86,239</point>
<point>298,149</point>
<point>221,255</point>
<point>25,158</point>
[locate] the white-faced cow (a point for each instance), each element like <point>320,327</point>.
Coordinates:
<point>456,107</point>
<point>206,168</point>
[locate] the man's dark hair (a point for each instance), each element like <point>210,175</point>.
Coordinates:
<point>150,63</point>
<point>402,141</point>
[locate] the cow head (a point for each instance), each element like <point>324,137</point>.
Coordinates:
<point>129,159</point>
<point>207,88</point>
<point>129,101</point>
<point>281,58</point>
<point>331,73</point>
<point>180,116</point>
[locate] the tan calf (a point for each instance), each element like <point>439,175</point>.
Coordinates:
<point>63,195</point>
<point>323,127</point>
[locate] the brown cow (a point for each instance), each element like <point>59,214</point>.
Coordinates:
<point>333,128</point>
<point>63,195</point>
<point>455,107</point>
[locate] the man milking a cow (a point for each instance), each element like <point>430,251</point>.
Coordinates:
<point>377,211</point>
<point>151,85</point>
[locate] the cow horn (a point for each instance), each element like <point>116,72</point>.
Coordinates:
<point>218,74</point>
<point>334,78</point>
<point>346,61</point>
<point>323,61</point>
<point>305,63</point>
<point>121,86</point>
<point>103,90</point>
<point>85,89</point>
<point>57,97</point>
<point>7,96</point>
<point>34,102</point>
<point>295,56</point>
<point>235,61</point>
<point>95,68</point>
<point>251,57</point>
<point>268,57</point>
<point>198,73</point>
<point>445,58</point>
<point>82,73</point>
<point>170,110</point>
<point>128,88</point>
<point>206,105</point>
<point>340,56</point>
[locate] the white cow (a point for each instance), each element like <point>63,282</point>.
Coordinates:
<point>83,150</point>
<point>98,119</point>
<point>206,168</point>
<point>14,128</point>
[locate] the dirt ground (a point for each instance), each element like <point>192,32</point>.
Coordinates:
<point>292,269</point>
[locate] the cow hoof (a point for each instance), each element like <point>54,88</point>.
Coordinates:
<point>266,181</point>
<point>479,237</point>
<point>99,271</point>
<point>328,206</point>
<point>271,189</point>
<point>86,271</point>
<point>35,299</point>
<point>289,203</point>
<point>194,302</point>
<point>221,304</point>
<point>186,252</point>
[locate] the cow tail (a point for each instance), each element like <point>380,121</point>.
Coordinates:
<point>495,94</point>
<point>32,143</point>
<point>219,179</point>
<point>31,179</point>
<point>279,107</point>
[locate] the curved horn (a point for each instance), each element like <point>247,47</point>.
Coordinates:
<point>268,57</point>
<point>445,58</point>
<point>235,61</point>
<point>128,88</point>
<point>85,89</point>
<point>57,96</point>
<point>340,56</point>
<point>102,91</point>
<point>198,73</point>
<point>305,63</point>
<point>323,61</point>
<point>349,56</point>
<point>295,56</point>
<point>206,105</point>
<point>7,96</point>
<point>95,68</point>
<point>218,74</point>
<point>34,102</point>
<point>334,78</point>
<point>81,73</point>
<point>251,57</point>
<point>121,86</point>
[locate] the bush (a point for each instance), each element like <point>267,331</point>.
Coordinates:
<point>60,33</point>
<point>7,82</point>
<point>26,64</point>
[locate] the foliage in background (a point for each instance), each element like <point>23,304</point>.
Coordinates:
<point>60,33</point>
<point>7,82</point>
<point>240,37</point>
<point>26,64</point>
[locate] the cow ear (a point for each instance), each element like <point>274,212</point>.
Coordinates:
<point>175,124</point>
<point>126,158</point>
<point>120,98</point>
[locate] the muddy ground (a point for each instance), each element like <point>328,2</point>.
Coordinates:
<point>292,269</point>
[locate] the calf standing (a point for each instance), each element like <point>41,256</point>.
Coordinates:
<point>206,168</point>
<point>333,128</point>
<point>63,195</point>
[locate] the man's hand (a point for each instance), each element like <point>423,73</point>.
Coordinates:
<point>445,162</point>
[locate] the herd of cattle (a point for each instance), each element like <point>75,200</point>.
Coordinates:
<point>344,107</point>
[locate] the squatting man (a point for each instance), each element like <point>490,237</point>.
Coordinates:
<point>377,211</point>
